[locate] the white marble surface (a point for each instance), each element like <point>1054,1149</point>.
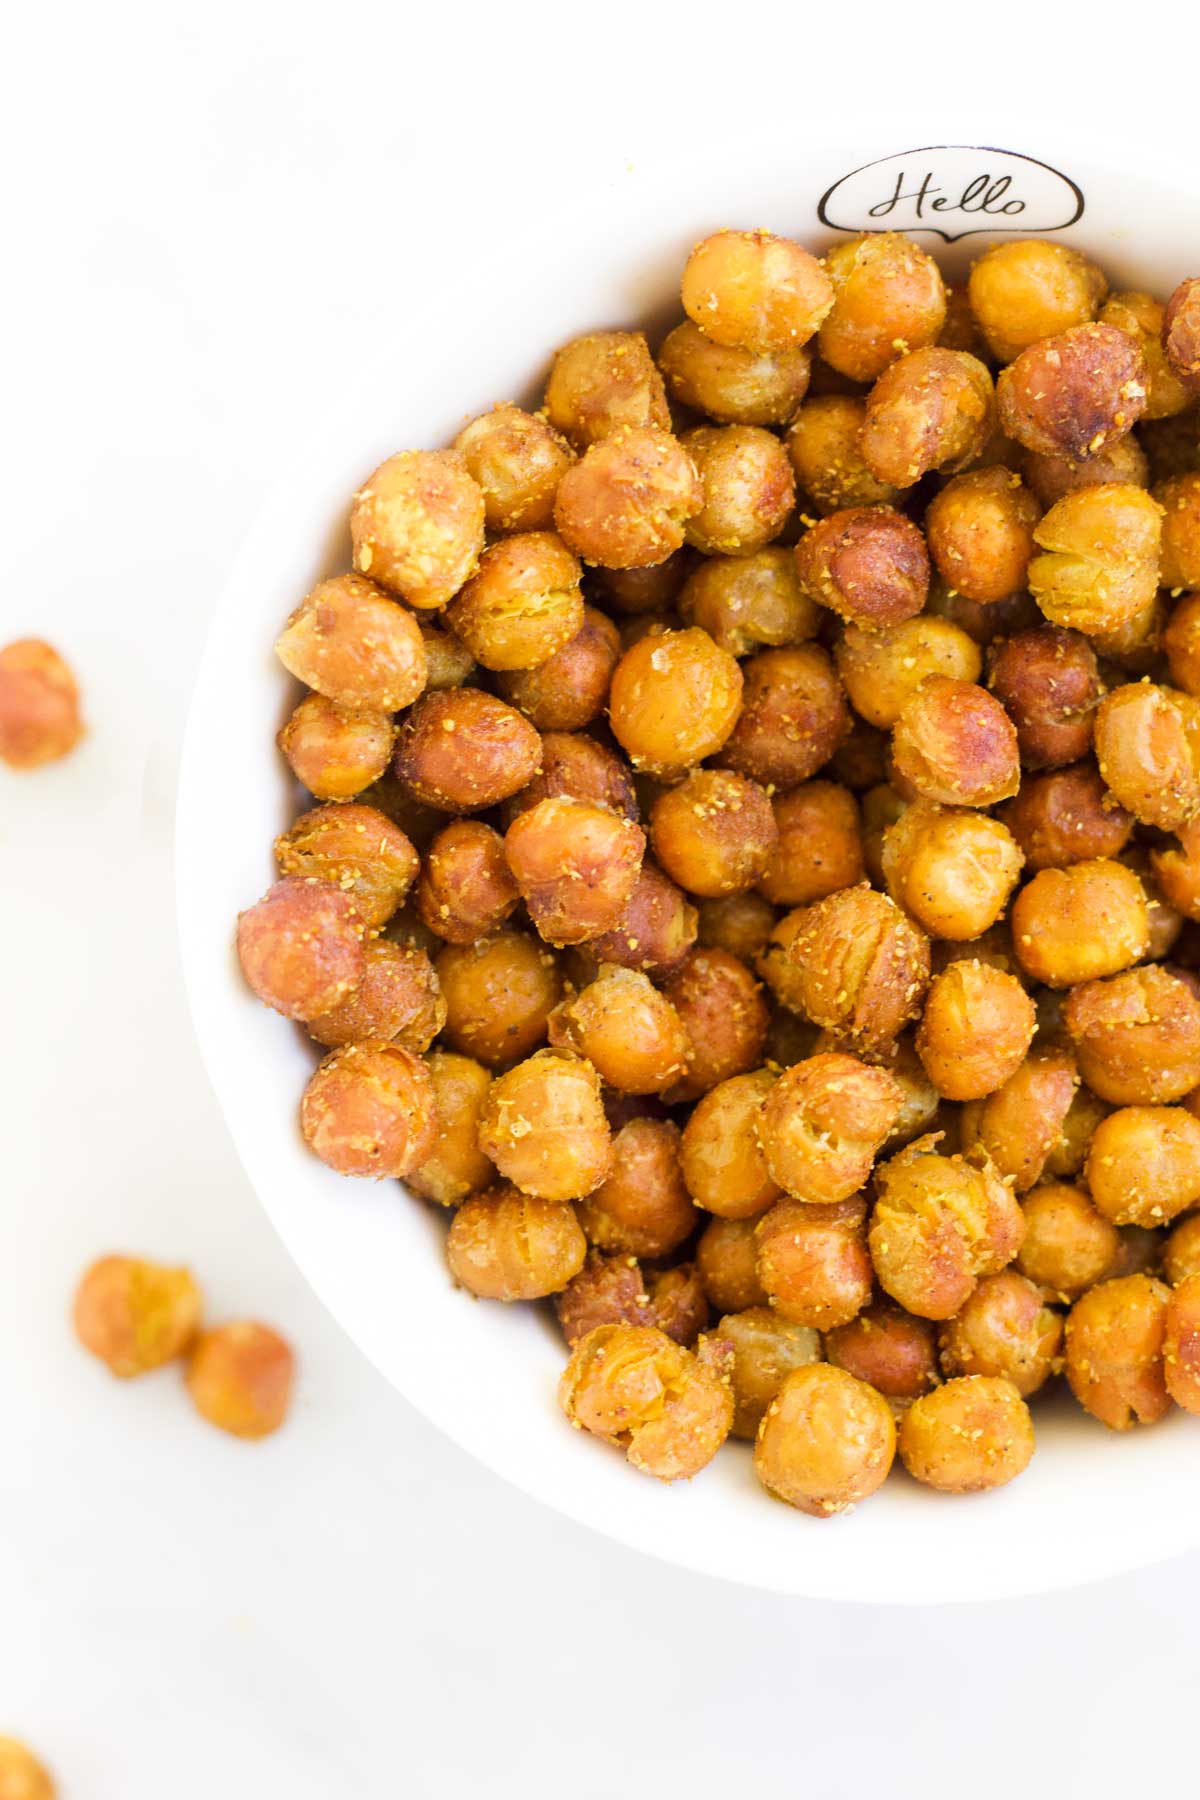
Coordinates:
<point>206,213</point>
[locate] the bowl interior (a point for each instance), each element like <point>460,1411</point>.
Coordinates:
<point>487,1375</point>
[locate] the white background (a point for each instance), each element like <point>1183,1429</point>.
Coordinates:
<point>202,209</point>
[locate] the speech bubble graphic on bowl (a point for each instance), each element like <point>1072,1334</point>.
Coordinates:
<point>953,191</point>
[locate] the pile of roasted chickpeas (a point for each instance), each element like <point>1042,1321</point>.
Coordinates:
<point>753,868</point>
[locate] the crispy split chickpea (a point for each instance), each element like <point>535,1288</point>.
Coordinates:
<point>867,564</point>
<point>577,767</point>
<point>336,751</point>
<point>518,460</point>
<point>1048,682</point>
<point>1143,1165</point>
<point>456,1166</point>
<point>522,604</point>
<point>888,298</point>
<point>1181,1345</point>
<point>714,832</point>
<point>822,1124</point>
<point>301,947</point>
<point>1029,289</point>
<point>1080,923</point>
<point>499,995</point>
<point>417,526</point>
<point>355,848</point>
<point>350,641</point>
<point>1175,873</point>
<point>1180,501</point>
<point>1069,395</point>
<point>813,1261</point>
<point>1181,644</point>
<point>22,1776</point>
<point>1140,316</point>
<point>369,1110</point>
<point>980,533</point>
<point>889,1349</point>
<point>39,708</point>
<point>739,923</point>
<point>543,1126</point>
<point>135,1315</point>
<point>939,1224</point>
<point>755,291</point>
<point>569,689</point>
<point>1137,1036</point>
<point>859,967</point>
<point>818,847</point>
<point>1066,816</point>
<point>396,1001</point>
<point>628,1031</point>
<point>1053,477</point>
<point>1181,1250</point>
<point>1114,1351</point>
<point>881,670</point>
<point>575,864</point>
<point>1181,334</point>
<point>727,1263</point>
<point>642,1208</point>
<point>656,929</point>
<point>826,1441</point>
<point>954,742</point>
<point>793,717</point>
<point>951,868</point>
<point>1007,1330</point>
<point>463,750</point>
<point>747,603</point>
<point>668,1408</point>
<point>825,445</point>
<point>240,1378</point>
<point>1069,1245</point>
<point>603,383</point>
<point>1148,748</point>
<point>678,1303</point>
<point>507,1245</point>
<point>732,385</point>
<point>932,409</point>
<point>465,888</point>
<point>1098,571</point>
<point>766,1349</point>
<point>608,1290</point>
<point>977,1025</point>
<point>749,490</point>
<point>969,1435</point>
<point>625,503</point>
<point>674,700</point>
<point>724,1017</point>
<point>723,1165</point>
<point>1018,1125</point>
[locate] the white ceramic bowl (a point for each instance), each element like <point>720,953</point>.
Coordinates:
<point>1092,1502</point>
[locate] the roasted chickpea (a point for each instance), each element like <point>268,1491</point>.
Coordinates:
<point>1181,643</point>
<point>518,461</point>
<point>1137,1037</point>
<point>240,1378</point>
<point>714,832</point>
<point>1080,923</point>
<point>932,409</point>
<point>793,717</point>
<point>727,1263</point>
<point>1068,1246</point>
<point>449,663</point>
<point>355,848</point>
<point>1018,1125</point>
<point>350,641</point>
<point>1180,501</point>
<point>825,445</point>
<point>1181,1250</point>
<point>135,1316</point>
<point>1114,1346</point>
<point>507,1245</point>
<point>1029,289</point>
<point>39,710</point>
<point>977,1025</point>
<point>656,929</point>
<point>818,848</point>
<point>522,604</point>
<point>1143,1165</point>
<point>608,1290</point>
<point>336,751</point>
<point>1181,334</point>
<point>301,947</point>
<point>654,588</point>
<point>723,1165</point>
<point>1148,748</point>
<point>746,602</point>
<point>1052,477</point>
<point>642,1208</point>
<point>939,1224</point>
<point>888,298</point>
<point>1005,1329</point>
<point>951,868</point>
<point>1140,317</point>
<point>675,699</point>
<point>887,1348</point>
<point>1099,569</point>
<point>881,807</point>
<point>748,488</point>
<point>822,1124</point>
<point>679,1305</point>
<point>860,967</point>
<point>826,1441</point>
<point>724,1019</point>
<point>670,1410</point>
<point>464,750</point>
<point>603,383</point>
<point>1085,1112</point>
<point>569,689</point>
<point>625,503</point>
<point>456,1166</point>
<point>419,823</point>
<point>369,1109</point>
<point>954,742</point>
<point>881,670</point>
<point>22,1776</point>
<point>766,1349</point>
<point>813,1261</point>
<point>1181,1345</point>
<point>867,564</point>
<point>1070,394</point>
<point>417,525</point>
<point>397,1000</point>
<point>755,291</point>
<point>1067,816</point>
<point>499,995</point>
<point>465,888</point>
<point>1049,684</point>
<point>627,1030</point>
<point>739,923</point>
<point>543,1126</point>
<point>731,385</point>
<point>576,767</point>
<point>1168,890</point>
<point>576,864</point>
<point>980,532</point>
<point>968,1435</point>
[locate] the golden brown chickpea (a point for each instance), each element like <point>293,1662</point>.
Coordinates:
<point>1077,924</point>
<point>1114,1345</point>
<point>748,488</point>
<point>448,661</point>
<point>951,868</point>
<point>1181,1345</point>
<point>1181,642</point>
<point>1148,748</point>
<point>977,1025</point>
<point>654,588</point>
<point>1180,501</point>
<point>624,505</point>
<point>576,864</point>
<point>920,1101</point>
<point>22,1776</point>
<point>739,923</point>
<point>608,1290</point>
<point>766,1349</point>
<point>507,1245</point>
<point>603,383</point>
<point>818,848</point>
<point>967,1436</point>
<point>1069,395</point>
<point>301,947</point>
<point>1181,1250</point>
<point>643,1207</point>
<point>456,1166</point>
<point>1140,317</point>
<point>980,531</point>
<point>575,766</point>
<point>1163,891</point>
<point>939,1224</point>
<point>1005,1329</point>
<point>336,751</point>
<point>955,743</point>
<point>674,700</point>
<point>813,1261</point>
<point>355,848</point>
<point>240,1378</point>
<point>1099,569</point>
<point>933,409</point>
<point>793,717</point>
<point>543,1126</point>
<point>731,385</point>
<point>627,1030</point>
<point>518,461</point>
<point>889,1349</point>
<point>723,1165</point>
<point>1067,816</point>
<point>746,602</point>
<point>1143,1165</point>
<point>397,1001</point>
<point>714,832</point>
<point>1017,1127</point>
<point>889,298</point>
<point>1181,334</point>
<point>1069,1246</point>
<point>826,1441</point>
<point>1067,1157</point>
<point>1052,477</point>
<point>670,1410</point>
<point>822,1124</point>
<point>724,1018</point>
<point>881,670</point>
<point>678,1303</point>
<point>522,604</point>
<point>369,1110</point>
<point>1048,682</point>
<point>135,1315</point>
<point>1137,1037</point>
<point>39,708</point>
<point>825,445</point>
<point>1028,289</point>
<point>569,689</point>
<point>499,994</point>
<point>867,564</point>
<point>465,888</point>
<point>860,967</point>
<point>655,931</point>
<point>350,641</point>
<point>755,291</point>
<point>417,525</point>
<point>463,750</point>
<point>727,1263</point>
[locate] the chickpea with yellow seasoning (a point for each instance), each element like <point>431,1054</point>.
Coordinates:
<point>507,1245</point>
